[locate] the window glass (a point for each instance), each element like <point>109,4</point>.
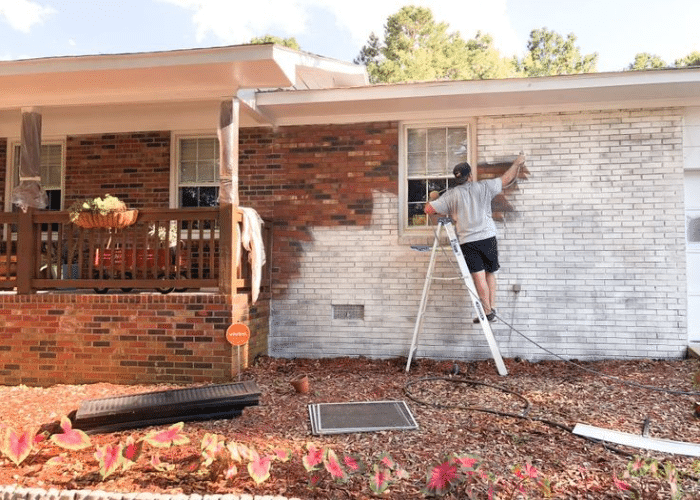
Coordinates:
<point>431,154</point>
<point>198,172</point>
<point>693,229</point>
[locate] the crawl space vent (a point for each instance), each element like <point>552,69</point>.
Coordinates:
<point>339,418</point>
<point>348,311</point>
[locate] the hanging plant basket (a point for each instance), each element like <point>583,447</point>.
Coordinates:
<point>114,220</point>
<point>107,212</point>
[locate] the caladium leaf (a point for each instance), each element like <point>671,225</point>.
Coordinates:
<point>259,468</point>
<point>388,462</point>
<point>158,465</point>
<point>313,457</point>
<point>109,457</point>
<point>57,460</point>
<point>354,464</point>
<point>231,471</point>
<point>234,450</point>
<point>172,436</point>
<point>282,454</point>
<point>442,478</point>
<point>70,439</point>
<point>17,445</point>
<point>467,462</point>
<point>332,465</point>
<point>212,445</point>
<point>131,451</point>
<point>314,480</point>
<point>380,480</point>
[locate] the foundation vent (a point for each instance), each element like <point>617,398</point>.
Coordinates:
<point>348,311</point>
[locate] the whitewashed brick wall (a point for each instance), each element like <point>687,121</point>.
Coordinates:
<point>597,247</point>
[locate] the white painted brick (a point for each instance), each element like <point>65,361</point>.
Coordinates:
<point>597,246</point>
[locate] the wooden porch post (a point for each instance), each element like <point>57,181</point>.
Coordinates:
<point>229,113</point>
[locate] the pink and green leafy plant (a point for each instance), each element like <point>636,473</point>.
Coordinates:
<point>448,474</point>
<point>110,459</point>
<point>70,439</point>
<point>17,445</point>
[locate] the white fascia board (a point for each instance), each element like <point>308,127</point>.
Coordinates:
<point>484,97</point>
<point>139,60</point>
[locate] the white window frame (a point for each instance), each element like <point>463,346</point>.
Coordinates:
<point>175,163</point>
<point>469,123</point>
<point>12,145</point>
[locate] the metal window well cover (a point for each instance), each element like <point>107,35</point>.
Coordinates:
<point>369,416</point>
<point>165,407</point>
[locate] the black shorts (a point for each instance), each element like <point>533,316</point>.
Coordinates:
<point>481,255</point>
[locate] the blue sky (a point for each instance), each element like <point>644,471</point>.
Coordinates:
<point>615,29</point>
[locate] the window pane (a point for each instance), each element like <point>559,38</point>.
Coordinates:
<point>694,230</point>
<point>437,163</point>
<point>437,140</point>
<point>208,149</point>
<point>207,171</point>
<point>416,165</point>
<point>199,196</point>
<point>188,150</point>
<point>208,196</point>
<point>416,140</point>
<point>417,191</point>
<point>457,145</point>
<point>188,172</point>
<point>188,197</point>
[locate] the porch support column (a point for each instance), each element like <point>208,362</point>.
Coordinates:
<point>29,192</point>
<point>229,118</point>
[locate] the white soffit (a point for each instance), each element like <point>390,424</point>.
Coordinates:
<point>624,90</point>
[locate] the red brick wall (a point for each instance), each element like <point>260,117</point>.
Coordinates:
<point>73,339</point>
<point>134,166</point>
<point>314,176</point>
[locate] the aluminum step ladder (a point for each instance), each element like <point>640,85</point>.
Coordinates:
<point>446,224</point>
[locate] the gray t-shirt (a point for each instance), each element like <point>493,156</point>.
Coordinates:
<point>469,205</point>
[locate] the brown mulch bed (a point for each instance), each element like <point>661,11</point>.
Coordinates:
<point>485,420</point>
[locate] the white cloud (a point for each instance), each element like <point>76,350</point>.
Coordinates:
<point>21,15</point>
<point>238,22</point>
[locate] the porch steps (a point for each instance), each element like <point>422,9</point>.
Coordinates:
<point>165,407</point>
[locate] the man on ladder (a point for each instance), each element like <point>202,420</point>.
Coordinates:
<point>469,205</point>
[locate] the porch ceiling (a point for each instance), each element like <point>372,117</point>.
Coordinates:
<point>626,90</point>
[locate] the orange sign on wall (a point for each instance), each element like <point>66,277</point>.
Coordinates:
<point>237,334</point>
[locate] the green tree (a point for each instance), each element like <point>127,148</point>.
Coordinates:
<point>692,59</point>
<point>417,48</point>
<point>551,54</point>
<point>645,60</point>
<point>284,42</point>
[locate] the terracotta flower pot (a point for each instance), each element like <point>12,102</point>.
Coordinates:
<point>301,384</point>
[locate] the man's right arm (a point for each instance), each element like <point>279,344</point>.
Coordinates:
<point>512,171</point>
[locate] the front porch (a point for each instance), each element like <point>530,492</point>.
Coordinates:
<point>88,305</point>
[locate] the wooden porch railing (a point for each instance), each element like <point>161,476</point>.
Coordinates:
<point>165,250</point>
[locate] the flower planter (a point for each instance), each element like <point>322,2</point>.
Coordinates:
<point>114,220</point>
